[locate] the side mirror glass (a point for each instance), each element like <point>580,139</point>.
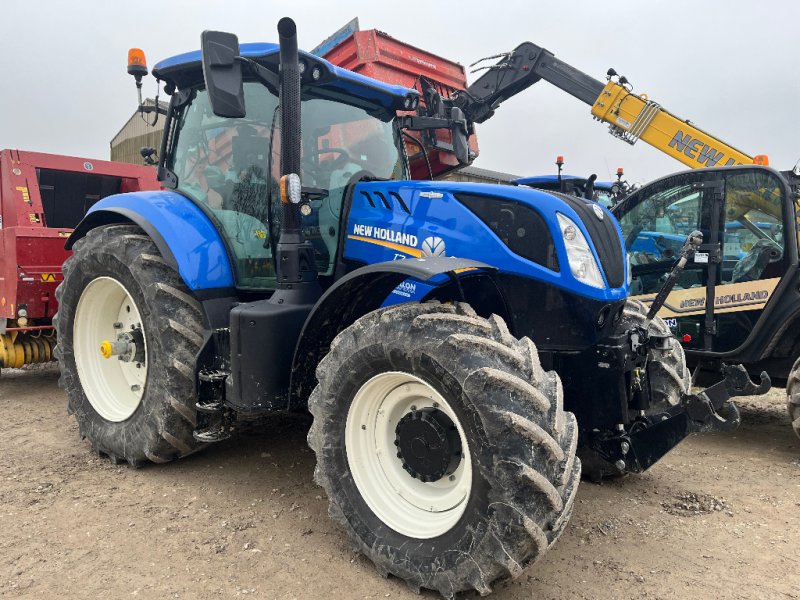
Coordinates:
<point>223,73</point>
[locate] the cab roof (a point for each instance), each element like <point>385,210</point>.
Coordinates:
<point>186,70</point>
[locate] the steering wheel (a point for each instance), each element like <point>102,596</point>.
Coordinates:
<point>342,158</point>
<point>667,253</point>
<point>756,260</point>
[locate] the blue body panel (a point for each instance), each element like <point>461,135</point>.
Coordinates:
<point>385,94</point>
<point>441,225</point>
<point>191,236</point>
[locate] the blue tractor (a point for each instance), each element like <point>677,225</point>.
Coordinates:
<point>458,345</point>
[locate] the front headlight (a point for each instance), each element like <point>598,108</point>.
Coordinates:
<point>581,260</point>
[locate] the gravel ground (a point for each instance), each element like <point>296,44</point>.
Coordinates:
<point>719,517</point>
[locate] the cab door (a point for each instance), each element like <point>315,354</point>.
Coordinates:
<point>744,215</point>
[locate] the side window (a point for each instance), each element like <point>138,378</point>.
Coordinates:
<point>223,165</point>
<point>753,236</point>
<point>339,142</point>
<point>656,228</point>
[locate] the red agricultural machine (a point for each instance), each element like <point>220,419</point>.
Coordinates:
<point>42,198</point>
<point>379,55</point>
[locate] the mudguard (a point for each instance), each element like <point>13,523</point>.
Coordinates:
<point>357,294</point>
<point>186,237</point>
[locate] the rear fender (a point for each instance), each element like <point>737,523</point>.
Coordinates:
<point>186,237</point>
<point>367,289</point>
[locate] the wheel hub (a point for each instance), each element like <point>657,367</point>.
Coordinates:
<point>428,444</point>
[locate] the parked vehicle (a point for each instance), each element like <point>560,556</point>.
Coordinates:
<point>449,429</point>
<point>42,198</point>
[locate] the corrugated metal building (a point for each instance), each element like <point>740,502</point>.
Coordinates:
<point>136,134</point>
<point>480,176</point>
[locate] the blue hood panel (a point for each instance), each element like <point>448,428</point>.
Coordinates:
<point>439,224</point>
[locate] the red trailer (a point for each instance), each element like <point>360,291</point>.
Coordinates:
<point>377,54</point>
<point>42,198</point>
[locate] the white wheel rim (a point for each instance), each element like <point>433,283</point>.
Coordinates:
<point>113,387</point>
<point>407,505</point>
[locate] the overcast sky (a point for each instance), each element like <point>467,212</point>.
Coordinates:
<point>732,67</point>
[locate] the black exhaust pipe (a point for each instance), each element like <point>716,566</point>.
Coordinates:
<point>289,97</point>
<point>295,265</point>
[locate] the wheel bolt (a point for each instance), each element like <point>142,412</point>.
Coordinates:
<point>452,478</point>
<point>117,325</point>
<point>135,387</point>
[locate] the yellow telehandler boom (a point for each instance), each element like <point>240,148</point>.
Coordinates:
<point>630,116</point>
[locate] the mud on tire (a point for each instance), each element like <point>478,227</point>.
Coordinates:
<point>793,396</point>
<point>160,429</point>
<point>521,443</point>
<point>669,376</point>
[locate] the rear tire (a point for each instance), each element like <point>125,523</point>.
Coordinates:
<point>128,413</point>
<point>793,396</point>
<point>668,375</point>
<point>518,476</point>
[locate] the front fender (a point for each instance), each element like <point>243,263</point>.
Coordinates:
<point>356,294</point>
<point>186,237</point>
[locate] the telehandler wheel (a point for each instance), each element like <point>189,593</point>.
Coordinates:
<point>128,332</point>
<point>443,446</point>
<point>793,396</point>
<point>669,375</point>
<point>669,378</point>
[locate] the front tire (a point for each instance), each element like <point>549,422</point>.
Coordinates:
<point>793,396</point>
<point>140,409</point>
<point>411,374</point>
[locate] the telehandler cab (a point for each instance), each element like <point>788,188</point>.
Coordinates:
<point>295,267</point>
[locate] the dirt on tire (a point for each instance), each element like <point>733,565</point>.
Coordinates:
<point>245,520</point>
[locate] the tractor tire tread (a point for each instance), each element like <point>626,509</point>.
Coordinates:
<point>164,429</point>
<point>793,396</point>
<point>532,479</point>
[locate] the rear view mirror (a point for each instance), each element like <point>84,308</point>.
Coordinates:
<point>223,73</point>
<point>459,136</point>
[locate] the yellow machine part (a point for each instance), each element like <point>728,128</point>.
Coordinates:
<point>20,348</point>
<point>634,117</point>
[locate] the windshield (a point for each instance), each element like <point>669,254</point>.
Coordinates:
<point>231,166</point>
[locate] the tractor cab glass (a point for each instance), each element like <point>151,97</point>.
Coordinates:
<point>744,252</point>
<point>231,167</point>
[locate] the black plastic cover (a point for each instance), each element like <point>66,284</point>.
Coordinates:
<point>520,227</point>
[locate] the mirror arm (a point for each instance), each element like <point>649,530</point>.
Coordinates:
<point>268,78</point>
<point>421,123</point>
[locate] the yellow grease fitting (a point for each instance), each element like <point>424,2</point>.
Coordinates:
<point>106,350</point>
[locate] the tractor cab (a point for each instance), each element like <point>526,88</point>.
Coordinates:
<point>230,166</point>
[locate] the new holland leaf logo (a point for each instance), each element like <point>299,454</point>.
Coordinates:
<point>433,246</point>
